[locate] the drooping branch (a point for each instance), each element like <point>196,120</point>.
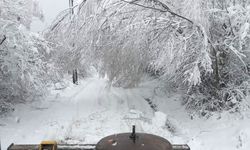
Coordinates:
<point>81,5</point>
<point>59,21</point>
<point>167,9</point>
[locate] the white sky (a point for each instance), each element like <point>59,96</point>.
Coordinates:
<point>50,9</point>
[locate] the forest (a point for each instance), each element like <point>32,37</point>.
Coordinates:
<point>179,69</point>
<point>197,47</point>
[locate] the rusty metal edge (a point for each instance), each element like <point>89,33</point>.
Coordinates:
<point>10,146</point>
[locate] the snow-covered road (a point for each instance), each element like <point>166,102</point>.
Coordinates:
<point>87,112</point>
<point>78,114</point>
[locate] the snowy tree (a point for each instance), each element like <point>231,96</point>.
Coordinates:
<point>200,46</point>
<point>120,39</point>
<point>23,55</point>
<point>227,31</point>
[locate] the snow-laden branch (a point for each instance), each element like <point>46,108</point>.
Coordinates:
<point>168,10</point>
<point>160,10</point>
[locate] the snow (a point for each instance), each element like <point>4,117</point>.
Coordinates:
<point>159,120</point>
<point>87,112</point>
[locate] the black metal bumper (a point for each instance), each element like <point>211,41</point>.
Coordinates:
<point>76,147</point>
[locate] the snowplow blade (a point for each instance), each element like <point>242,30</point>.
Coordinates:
<point>76,147</point>
<point>180,147</point>
<point>58,147</point>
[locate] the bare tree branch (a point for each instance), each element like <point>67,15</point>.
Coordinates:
<point>4,38</point>
<point>162,4</point>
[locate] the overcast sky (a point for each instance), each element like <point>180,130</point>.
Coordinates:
<point>50,8</point>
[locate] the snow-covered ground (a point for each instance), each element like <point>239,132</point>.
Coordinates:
<point>87,112</point>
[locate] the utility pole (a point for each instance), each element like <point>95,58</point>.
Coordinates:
<point>71,5</point>
<point>75,77</point>
<point>74,72</point>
